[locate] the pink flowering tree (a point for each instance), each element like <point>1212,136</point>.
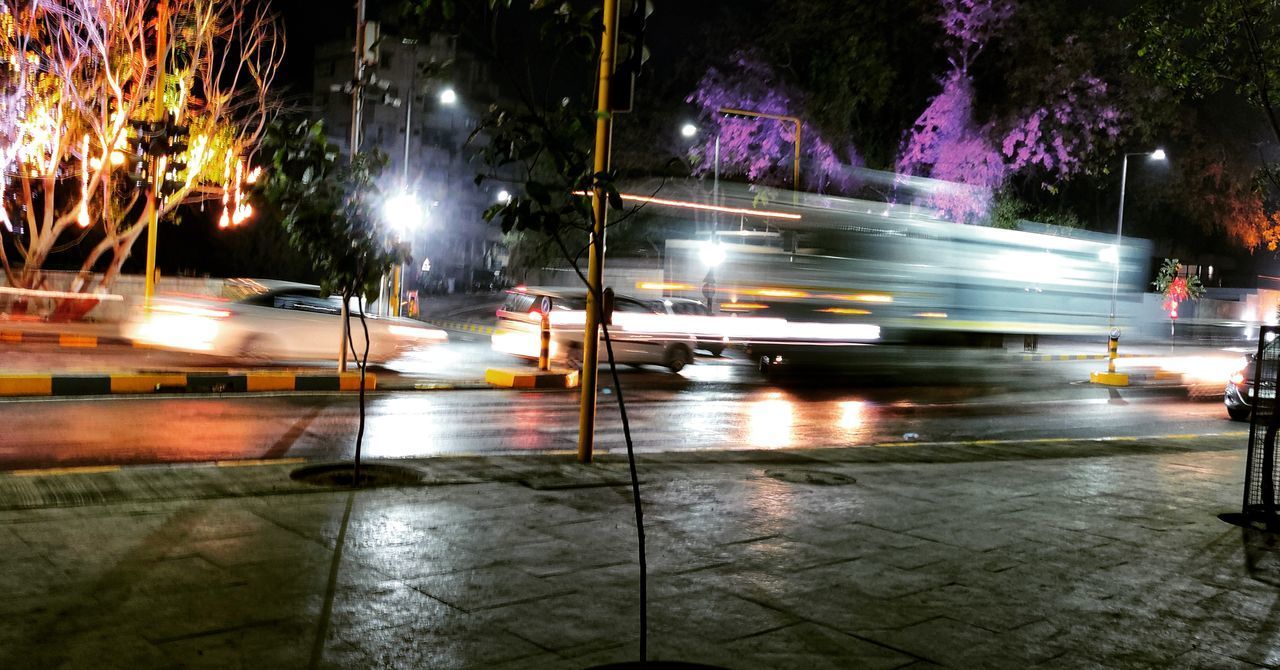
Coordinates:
<point>1050,140</point>
<point>762,150</point>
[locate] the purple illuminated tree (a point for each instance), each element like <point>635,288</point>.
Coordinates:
<point>1050,139</point>
<point>945,142</point>
<point>1076,119</point>
<point>762,150</point>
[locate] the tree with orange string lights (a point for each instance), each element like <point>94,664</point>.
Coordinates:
<point>78,78</point>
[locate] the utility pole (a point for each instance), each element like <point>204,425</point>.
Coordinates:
<point>595,259</point>
<point>153,189</point>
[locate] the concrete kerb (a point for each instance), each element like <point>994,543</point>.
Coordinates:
<point>91,485</point>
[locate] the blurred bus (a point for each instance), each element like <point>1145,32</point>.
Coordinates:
<point>908,275</point>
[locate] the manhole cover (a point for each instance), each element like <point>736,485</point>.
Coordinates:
<point>814,477</point>
<point>371,475</point>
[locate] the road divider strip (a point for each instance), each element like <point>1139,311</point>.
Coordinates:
<point>68,340</point>
<point>461,326</point>
<point>178,382</point>
<point>1077,357</point>
<point>531,379</point>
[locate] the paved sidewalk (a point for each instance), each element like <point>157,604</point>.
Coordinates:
<point>1056,554</point>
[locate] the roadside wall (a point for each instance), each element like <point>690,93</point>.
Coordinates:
<point>130,289</point>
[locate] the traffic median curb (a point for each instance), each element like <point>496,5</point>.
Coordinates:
<point>461,326</point>
<point>178,382</point>
<point>531,379</point>
<point>67,340</point>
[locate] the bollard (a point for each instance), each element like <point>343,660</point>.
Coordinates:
<point>1113,349</point>
<point>544,348</point>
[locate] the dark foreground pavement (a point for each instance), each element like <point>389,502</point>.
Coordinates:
<point>1055,553</point>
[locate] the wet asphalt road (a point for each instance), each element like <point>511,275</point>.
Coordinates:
<point>929,396</point>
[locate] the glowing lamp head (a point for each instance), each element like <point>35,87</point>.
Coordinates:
<point>404,211</point>
<point>448,97</point>
<point>504,196</point>
<point>712,254</point>
<point>688,130</point>
<point>1158,155</point>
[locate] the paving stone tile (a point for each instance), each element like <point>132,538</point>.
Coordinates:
<point>107,647</point>
<point>426,647</point>
<point>806,646</point>
<point>844,607</point>
<point>431,557</point>
<point>484,588</point>
<point>30,576</point>
<point>270,544</point>
<point>558,557</point>
<point>280,644</point>
<point>575,622</point>
<point>714,615</point>
<point>941,640</point>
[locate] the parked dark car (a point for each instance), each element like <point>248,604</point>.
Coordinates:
<point>1238,396</point>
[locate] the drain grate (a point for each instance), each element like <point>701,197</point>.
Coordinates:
<point>813,477</point>
<point>343,474</point>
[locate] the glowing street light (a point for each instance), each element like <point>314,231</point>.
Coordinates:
<point>403,211</point>
<point>712,254</point>
<point>688,130</point>
<point>504,196</point>
<point>448,96</point>
<point>1111,377</point>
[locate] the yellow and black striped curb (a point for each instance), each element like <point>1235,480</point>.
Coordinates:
<point>178,382</point>
<point>69,340</point>
<point>462,326</point>
<point>532,379</point>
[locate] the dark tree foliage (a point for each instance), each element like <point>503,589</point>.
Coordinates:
<point>329,207</point>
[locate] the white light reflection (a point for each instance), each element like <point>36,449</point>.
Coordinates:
<point>395,427</point>
<point>851,417</point>
<point>770,422</point>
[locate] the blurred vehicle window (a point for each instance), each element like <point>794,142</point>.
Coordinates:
<point>307,303</point>
<point>628,305</point>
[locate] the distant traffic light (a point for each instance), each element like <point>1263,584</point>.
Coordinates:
<point>152,141</point>
<point>630,55</point>
<point>176,143</point>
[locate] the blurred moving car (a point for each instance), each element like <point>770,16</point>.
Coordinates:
<point>708,340</point>
<point>275,321</point>
<point>1238,396</point>
<point>640,336</point>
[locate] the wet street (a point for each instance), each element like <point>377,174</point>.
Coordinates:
<point>717,404</point>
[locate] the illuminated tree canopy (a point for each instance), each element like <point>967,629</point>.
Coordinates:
<point>74,74</point>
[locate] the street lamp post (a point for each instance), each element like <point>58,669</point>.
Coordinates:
<point>1110,377</point>
<point>689,130</point>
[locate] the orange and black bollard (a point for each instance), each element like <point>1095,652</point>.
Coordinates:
<point>544,349</point>
<point>1113,350</point>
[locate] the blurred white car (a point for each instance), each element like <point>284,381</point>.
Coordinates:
<point>697,318</point>
<point>279,322</point>
<point>639,334</point>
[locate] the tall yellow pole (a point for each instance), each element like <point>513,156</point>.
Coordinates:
<point>595,259</point>
<point>795,169</point>
<point>157,113</point>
